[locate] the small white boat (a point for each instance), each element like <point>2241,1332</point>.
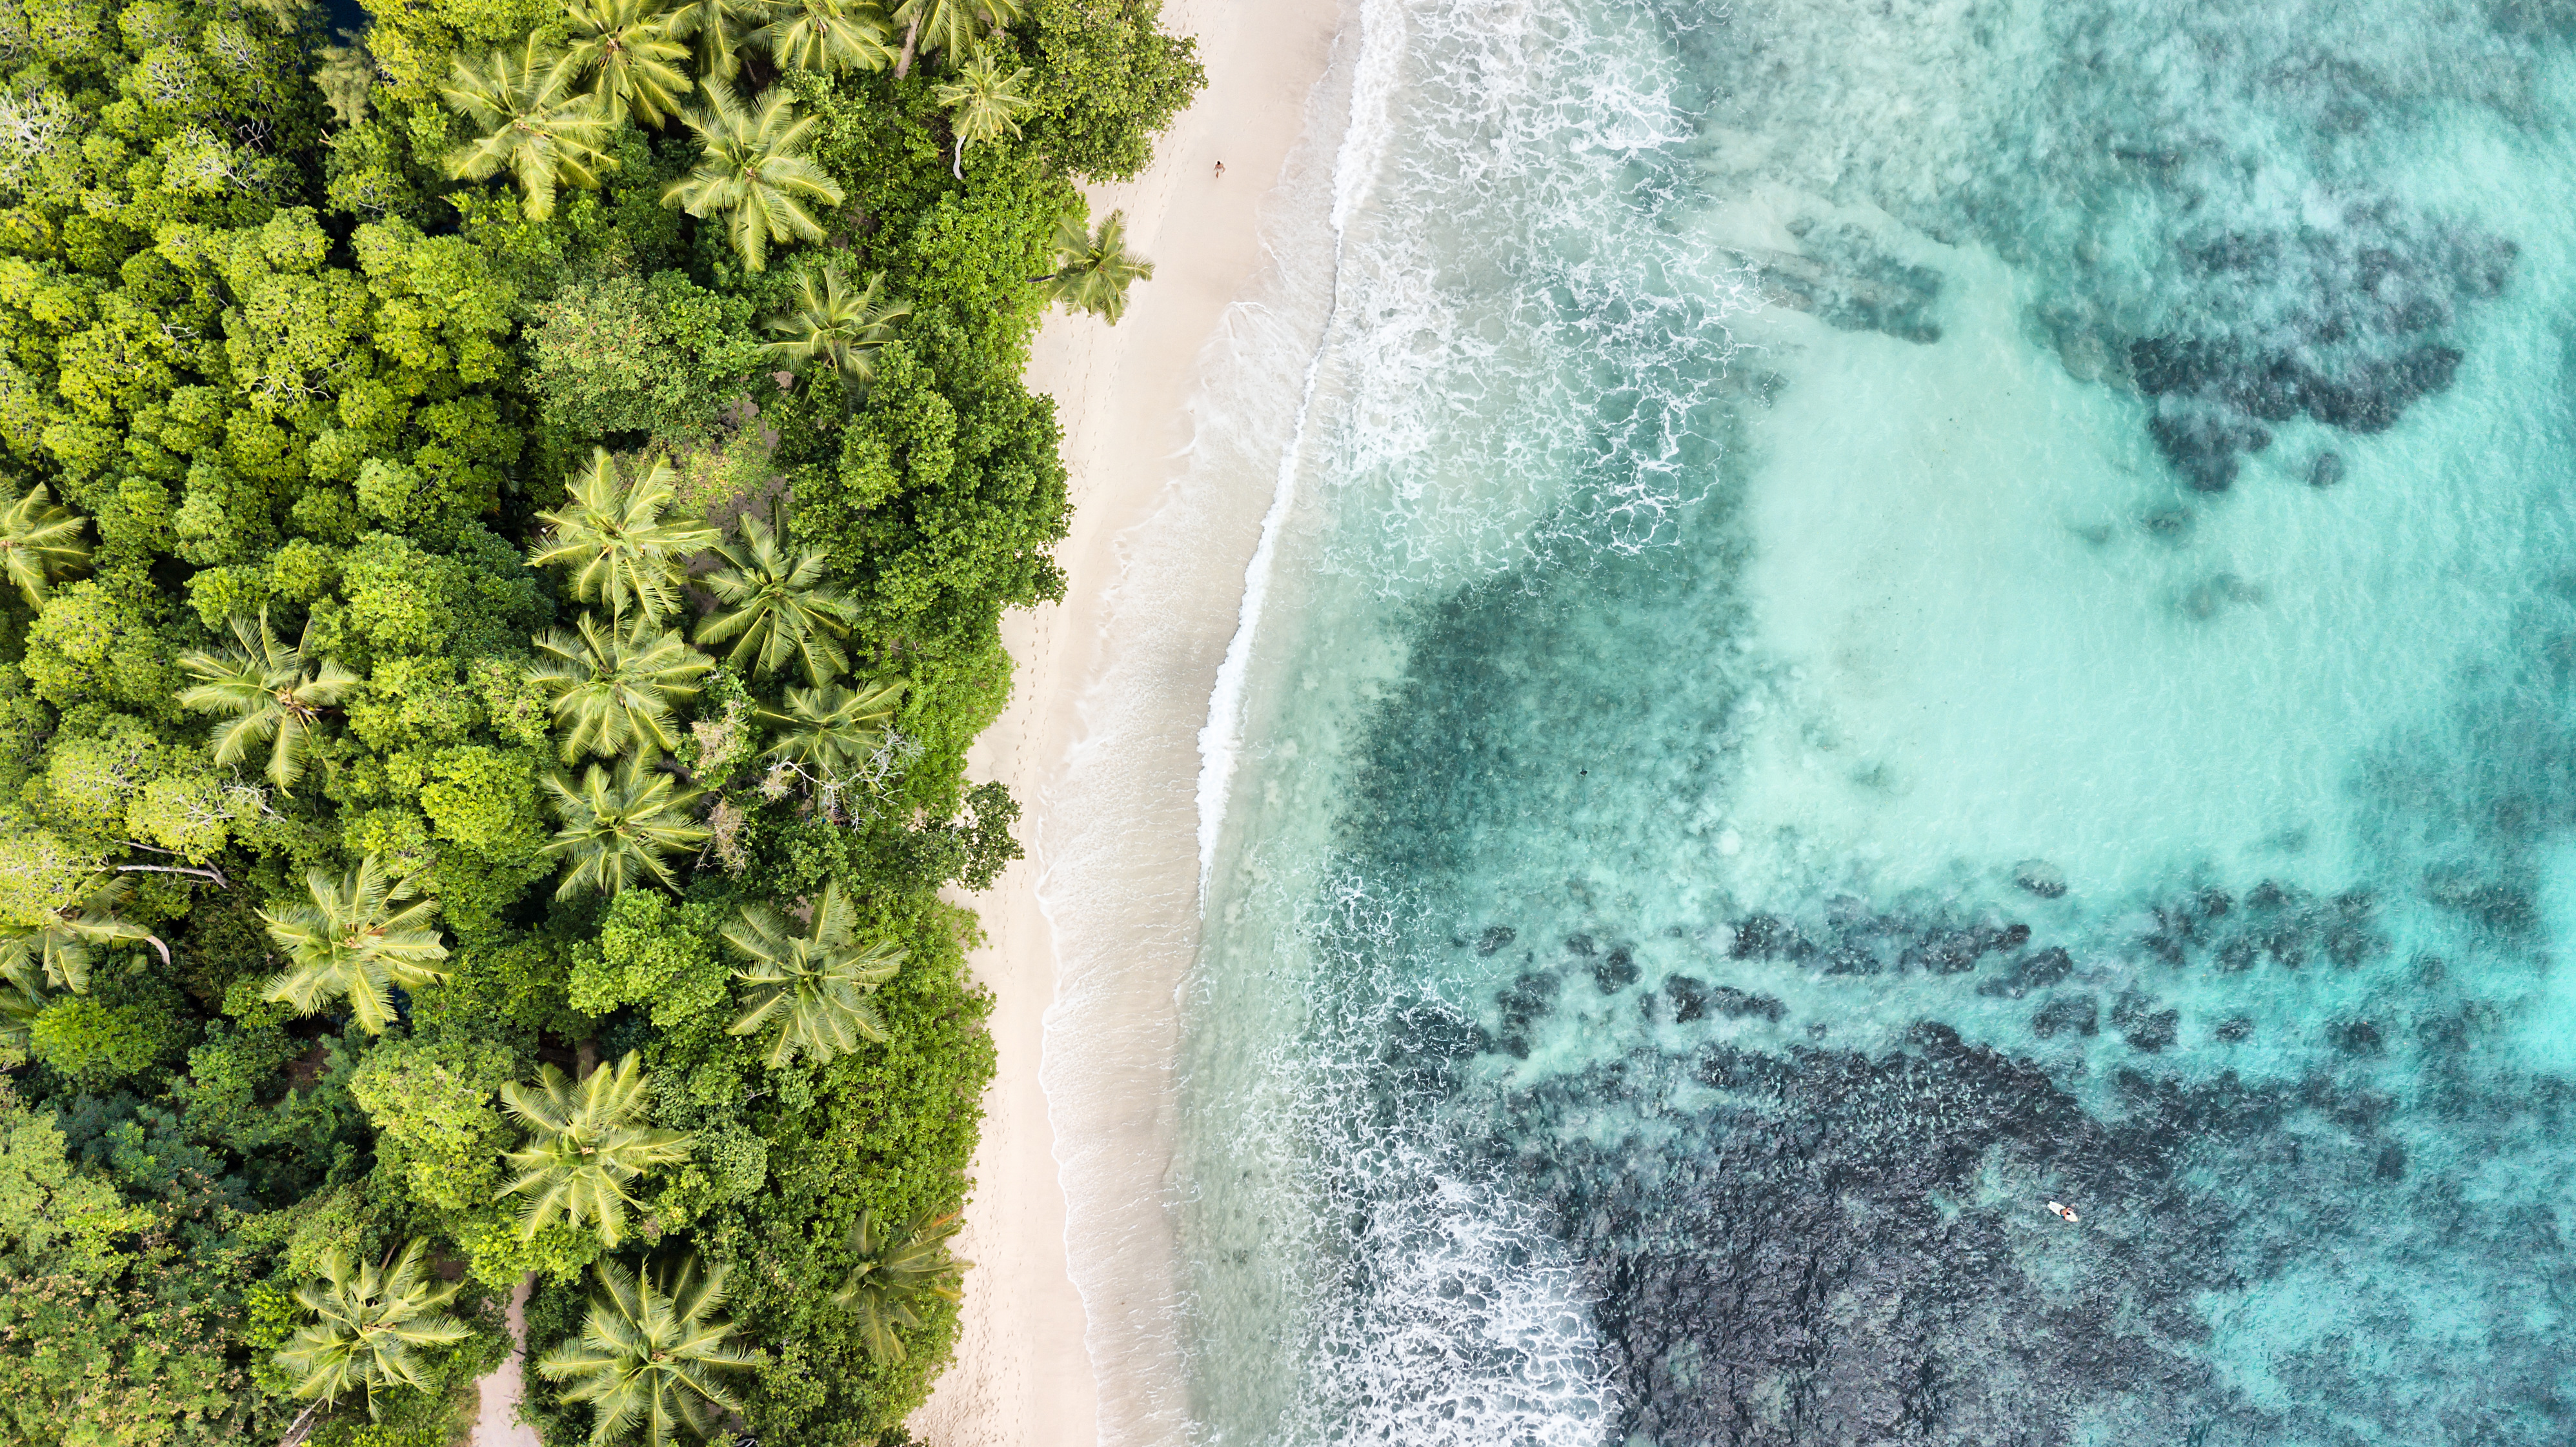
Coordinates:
<point>2064,1212</point>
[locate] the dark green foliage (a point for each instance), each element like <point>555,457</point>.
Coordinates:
<point>659,357</point>
<point>1113,80</point>
<point>276,362</point>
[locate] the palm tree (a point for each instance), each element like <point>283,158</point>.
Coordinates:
<point>814,987</point>
<point>827,36</point>
<point>649,1349</point>
<point>19,1008</point>
<point>367,1323</point>
<point>835,324</point>
<point>585,1142</point>
<point>897,1267</point>
<point>624,48</point>
<point>831,729</point>
<point>612,690</point>
<point>985,104</point>
<point>39,542</point>
<point>617,536</point>
<point>750,170</point>
<point>57,953</point>
<point>718,26</point>
<point>776,610</point>
<point>946,25</point>
<point>346,939</point>
<point>620,827</point>
<point>274,693</point>
<point>1092,270</point>
<point>538,125</point>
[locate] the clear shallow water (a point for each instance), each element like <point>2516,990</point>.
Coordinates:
<point>1886,613</point>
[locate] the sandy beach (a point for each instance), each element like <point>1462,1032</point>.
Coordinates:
<point>1100,747</point>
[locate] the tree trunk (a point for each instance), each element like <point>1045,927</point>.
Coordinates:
<point>585,1058</point>
<point>302,1428</point>
<point>903,62</point>
<point>957,167</point>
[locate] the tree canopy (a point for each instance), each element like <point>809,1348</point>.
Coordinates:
<point>506,513</point>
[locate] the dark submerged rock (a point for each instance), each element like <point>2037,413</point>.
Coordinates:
<point>1616,971</point>
<point>1769,937</point>
<point>2041,877</point>
<point>1689,997</point>
<point>2066,1014</point>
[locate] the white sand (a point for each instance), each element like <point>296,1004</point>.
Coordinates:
<point>1099,746</point>
<point>497,1424</point>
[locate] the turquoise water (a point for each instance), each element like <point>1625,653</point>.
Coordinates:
<point>1886,613</point>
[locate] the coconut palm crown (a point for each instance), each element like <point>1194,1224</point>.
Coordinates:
<point>832,729</point>
<point>275,693</point>
<point>776,610</point>
<point>650,1349</point>
<point>719,27</point>
<point>832,323</point>
<point>40,540</point>
<point>346,939</point>
<point>367,1325</point>
<point>983,105</point>
<point>586,1141</point>
<point>57,953</point>
<point>620,828</point>
<point>1093,269</point>
<point>612,691</point>
<point>932,26</point>
<point>812,987</point>
<point>898,1266</point>
<point>537,123</point>
<point>753,172</point>
<point>827,36</point>
<point>615,538</point>
<point>625,50</point>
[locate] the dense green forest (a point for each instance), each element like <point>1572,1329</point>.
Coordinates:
<point>506,512</point>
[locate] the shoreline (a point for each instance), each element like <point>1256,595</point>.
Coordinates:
<point>1087,938</point>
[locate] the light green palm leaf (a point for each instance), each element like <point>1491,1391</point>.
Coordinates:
<point>897,1268</point>
<point>1094,269</point>
<point>813,987</point>
<point>586,1142</point>
<point>275,693</point>
<point>537,123</point>
<point>831,729</point>
<point>931,27</point>
<point>831,323</point>
<point>776,610</point>
<point>626,52</point>
<point>612,691</point>
<point>827,36</point>
<point>983,104</point>
<point>620,827</point>
<point>346,940</point>
<point>40,541</point>
<point>719,28</point>
<point>752,172</point>
<point>56,954</point>
<point>649,1352</point>
<point>368,1326</point>
<point>617,540</point>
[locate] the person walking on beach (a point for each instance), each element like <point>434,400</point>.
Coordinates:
<point>1220,170</point>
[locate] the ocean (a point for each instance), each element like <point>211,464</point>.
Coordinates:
<point>1882,613</point>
